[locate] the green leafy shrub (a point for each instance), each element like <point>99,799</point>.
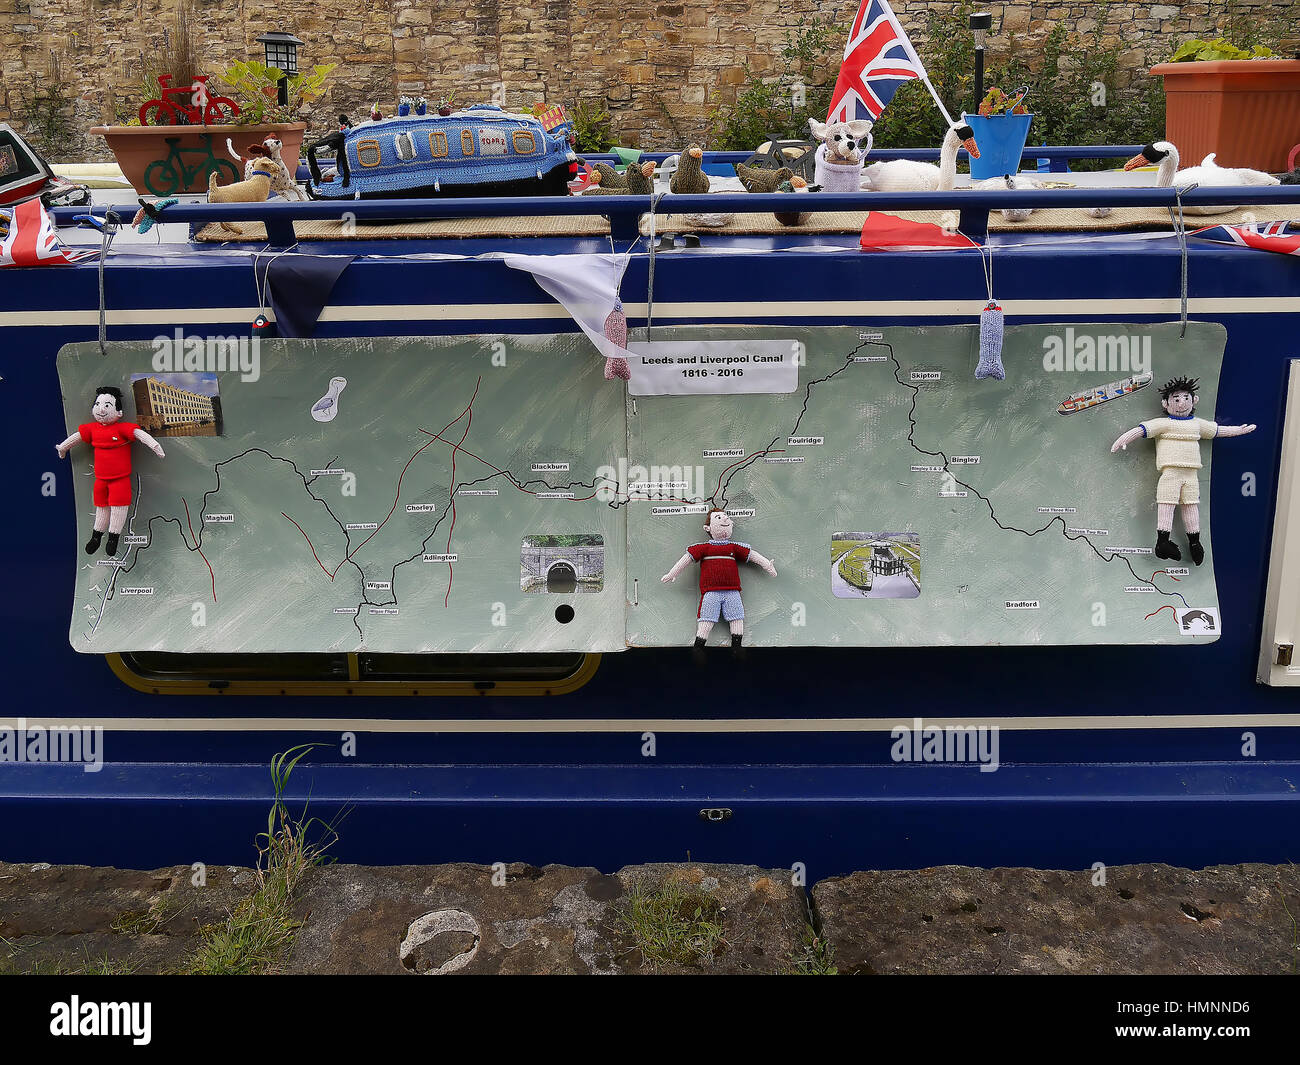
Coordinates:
<point>255,87</point>
<point>48,110</point>
<point>591,128</point>
<point>1219,48</point>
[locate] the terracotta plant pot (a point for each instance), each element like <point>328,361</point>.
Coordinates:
<point>157,168</point>
<point>1245,110</point>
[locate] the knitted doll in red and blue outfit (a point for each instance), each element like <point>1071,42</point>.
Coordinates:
<point>719,560</point>
<point>111,439</point>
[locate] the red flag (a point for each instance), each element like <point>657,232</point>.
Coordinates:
<point>31,239</point>
<point>887,232</point>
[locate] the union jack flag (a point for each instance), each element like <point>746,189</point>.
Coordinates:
<point>877,60</point>
<point>1283,237</point>
<point>28,238</point>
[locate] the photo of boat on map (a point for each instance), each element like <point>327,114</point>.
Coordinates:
<point>885,565</point>
<point>1093,397</point>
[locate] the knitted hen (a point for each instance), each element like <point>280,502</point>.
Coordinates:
<point>638,182</point>
<point>759,179</point>
<point>609,177</point>
<point>689,178</point>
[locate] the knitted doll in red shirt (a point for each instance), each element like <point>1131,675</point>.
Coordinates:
<point>111,438</point>
<point>719,560</point>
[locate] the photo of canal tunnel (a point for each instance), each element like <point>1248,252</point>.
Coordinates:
<point>563,564</point>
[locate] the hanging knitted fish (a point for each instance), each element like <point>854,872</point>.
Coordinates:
<point>990,364</point>
<point>616,333</point>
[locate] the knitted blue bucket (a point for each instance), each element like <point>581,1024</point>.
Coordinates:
<point>1001,140</point>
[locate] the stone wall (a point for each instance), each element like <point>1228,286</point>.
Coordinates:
<point>656,66</point>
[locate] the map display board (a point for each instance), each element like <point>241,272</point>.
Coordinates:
<point>496,493</point>
<point>385,513</point>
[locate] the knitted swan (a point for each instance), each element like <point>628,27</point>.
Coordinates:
<point>906,175</point>
<point>1209,174</point>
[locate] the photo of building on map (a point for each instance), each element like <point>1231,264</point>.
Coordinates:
<point>177,404</point>
<point>565,564</point>
<point>885,565</point>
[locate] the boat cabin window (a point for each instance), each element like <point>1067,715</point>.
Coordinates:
<point>368,153</point>
<point>438,144</point>
<point>165,673</point>
<point>405,145</point>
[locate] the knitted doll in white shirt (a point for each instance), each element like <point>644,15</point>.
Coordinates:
<point>1178,456</point>
<point>719,577</point>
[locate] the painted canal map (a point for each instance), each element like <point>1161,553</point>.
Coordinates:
<point>498,494</point>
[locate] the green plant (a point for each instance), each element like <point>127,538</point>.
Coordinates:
<point>591,128</point>
<point>1219,48</point>
<point>256,87</point>
<point>47,106</point>
<point>816,956</point>
<point>146,922</point>
<point>997,102</point>
<point>259,931</point>
<point>1246,26</point>
<point>672,923</point>
<point>781,105</point>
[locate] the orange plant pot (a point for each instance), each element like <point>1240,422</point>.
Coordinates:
<point>1246,110</point>
<point>155,167</point>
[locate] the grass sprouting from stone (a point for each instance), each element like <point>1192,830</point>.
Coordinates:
<point>256,937</point>
<point>816,958</point>
<point>672,923</point>
<point>146,922</point>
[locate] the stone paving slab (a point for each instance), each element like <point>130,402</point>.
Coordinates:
<point>71,916</point>
<point>1145,919</point>
<point>554,919</point>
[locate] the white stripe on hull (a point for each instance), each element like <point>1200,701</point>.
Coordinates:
<point>703,313</point>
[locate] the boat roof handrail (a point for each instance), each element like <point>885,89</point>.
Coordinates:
<point>1054,152</point>
<point>624,212</point>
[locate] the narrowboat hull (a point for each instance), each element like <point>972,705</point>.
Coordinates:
<point>1108,752</point>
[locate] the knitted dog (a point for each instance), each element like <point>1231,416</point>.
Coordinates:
<point>254,189</point>
<point>281,180</point>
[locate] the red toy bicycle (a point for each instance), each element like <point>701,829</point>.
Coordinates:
<point>187,105</point>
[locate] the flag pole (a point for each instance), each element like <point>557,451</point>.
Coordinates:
<point>925,76</point>
<point>938,103</point>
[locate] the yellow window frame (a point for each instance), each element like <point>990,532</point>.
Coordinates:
<point>354,684</point>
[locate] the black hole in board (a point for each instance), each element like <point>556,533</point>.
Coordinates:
<point>564,614</point>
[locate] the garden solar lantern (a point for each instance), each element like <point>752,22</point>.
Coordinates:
<point>281,53</point>
<point>980,23</point>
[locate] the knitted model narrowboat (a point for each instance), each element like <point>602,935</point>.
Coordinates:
<point>479,151</point>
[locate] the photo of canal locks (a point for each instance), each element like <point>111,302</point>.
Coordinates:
<point>885,565</point>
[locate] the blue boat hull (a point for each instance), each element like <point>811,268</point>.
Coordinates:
<point>1112,754</point>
